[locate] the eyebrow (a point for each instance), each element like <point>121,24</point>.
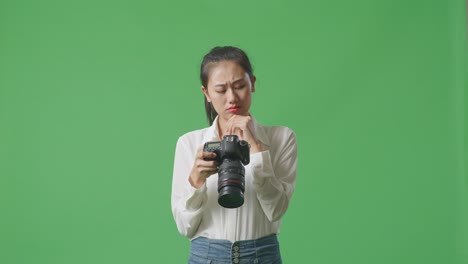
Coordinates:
<point>224,84</point>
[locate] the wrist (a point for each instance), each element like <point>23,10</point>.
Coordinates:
<point>196,181</point>
<point>256,147</point>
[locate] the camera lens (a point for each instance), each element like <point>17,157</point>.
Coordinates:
<point>231,183</point>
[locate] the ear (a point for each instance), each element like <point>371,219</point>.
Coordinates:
<point>205,92</point>
<point>253,79</point>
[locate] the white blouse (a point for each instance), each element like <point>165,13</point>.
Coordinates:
<point>269,183</point>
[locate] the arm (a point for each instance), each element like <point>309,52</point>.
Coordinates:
<point>274,180</point>
<point>187,201</point>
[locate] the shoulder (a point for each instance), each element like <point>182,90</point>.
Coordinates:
<point>276,137</point>
<point>281,141</point>
<point>192,138</point>
<point>279,132</point>
<point>193,134</point>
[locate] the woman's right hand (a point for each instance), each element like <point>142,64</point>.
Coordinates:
<point>202,169</point>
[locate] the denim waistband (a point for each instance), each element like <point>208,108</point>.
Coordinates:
<point>262,250</point>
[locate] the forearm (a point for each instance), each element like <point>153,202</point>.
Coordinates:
<point>187,202</point>
<point>273,191</point>
<point>188,209</point>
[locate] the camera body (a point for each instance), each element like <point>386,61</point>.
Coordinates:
<point>232,155</point>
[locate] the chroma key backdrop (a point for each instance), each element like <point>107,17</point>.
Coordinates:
<point>94,95</point>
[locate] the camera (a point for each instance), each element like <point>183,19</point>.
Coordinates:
<point>232,155</point>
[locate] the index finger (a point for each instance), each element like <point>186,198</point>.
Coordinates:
<point>199,152</point>
<point>208,155</point>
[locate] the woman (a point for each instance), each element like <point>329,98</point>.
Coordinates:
<point>246,234</point>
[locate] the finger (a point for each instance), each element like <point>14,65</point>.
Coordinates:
<point>204,166</point>
<point>231,124</point>
<point>228,126</point>
<point>207,174</point>
<point>241,134</point>
<point>208,155</point>
<point>208,169</point>
<point>207,162</point>
<point>199,152</point>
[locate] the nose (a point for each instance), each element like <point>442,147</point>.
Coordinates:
<point>231,96</point>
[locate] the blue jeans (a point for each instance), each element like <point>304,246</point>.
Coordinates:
<point>216,251</point>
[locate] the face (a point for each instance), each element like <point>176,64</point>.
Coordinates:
<point>229,89</point>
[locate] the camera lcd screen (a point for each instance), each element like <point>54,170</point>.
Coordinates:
<point>213,145</point>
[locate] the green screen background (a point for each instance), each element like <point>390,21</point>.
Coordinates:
<point>94,94</point>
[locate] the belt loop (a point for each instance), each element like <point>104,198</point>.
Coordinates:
<point>208,248</point>
<point>256,251</point>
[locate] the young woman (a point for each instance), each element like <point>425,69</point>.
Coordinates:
<point>246,234</point>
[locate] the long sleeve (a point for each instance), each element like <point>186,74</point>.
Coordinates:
<point>269,182</point>
<point>274,173</point>
<point>186,201</point>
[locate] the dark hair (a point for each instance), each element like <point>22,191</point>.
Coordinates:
<point>218,54</point>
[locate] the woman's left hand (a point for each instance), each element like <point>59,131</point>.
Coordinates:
<point>239,125</point>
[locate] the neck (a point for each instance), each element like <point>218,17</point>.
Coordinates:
<point>221,126</point>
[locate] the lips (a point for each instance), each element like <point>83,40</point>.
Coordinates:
<point>233,109</point>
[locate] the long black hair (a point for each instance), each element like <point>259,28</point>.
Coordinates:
<point>218,54</point>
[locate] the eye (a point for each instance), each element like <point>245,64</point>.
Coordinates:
<point>220,91</point>
<point>240,87</point>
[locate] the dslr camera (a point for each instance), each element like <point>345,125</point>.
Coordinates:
<point>232,155</point>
